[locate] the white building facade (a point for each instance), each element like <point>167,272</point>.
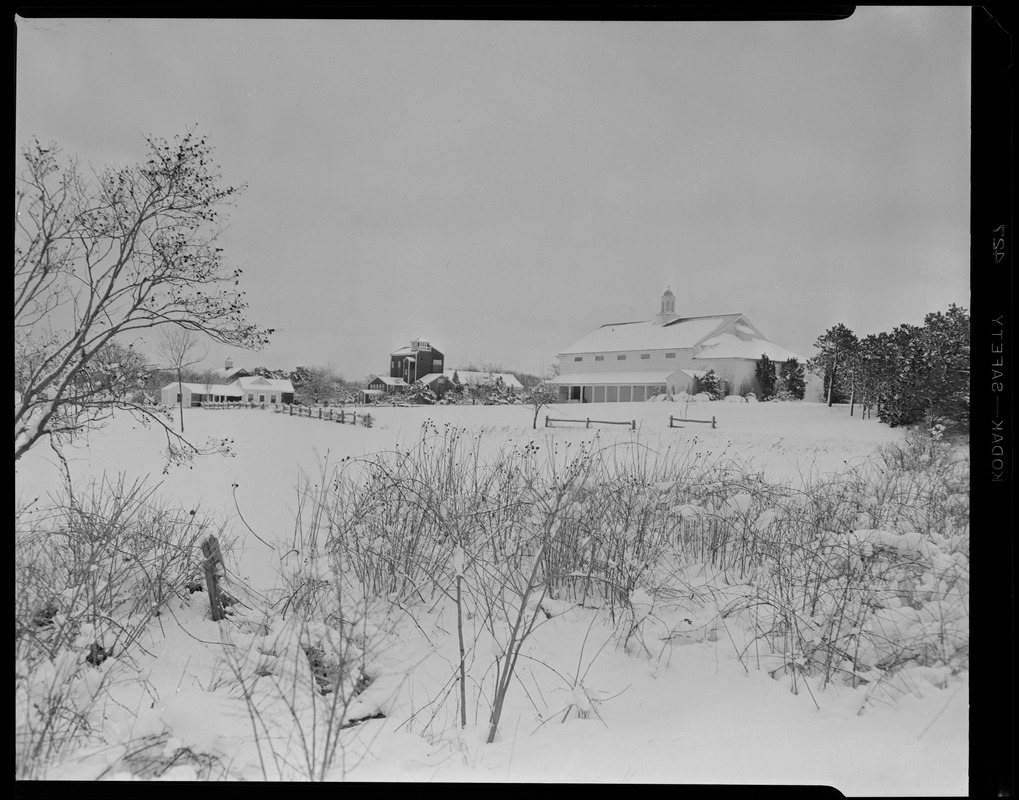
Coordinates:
<point>249,389</point>
<point>639,361</point>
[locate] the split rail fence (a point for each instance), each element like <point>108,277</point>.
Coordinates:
<point>632,424</point>
<point>673,420</point>
<point>327,413</point>
<point>330,414</point>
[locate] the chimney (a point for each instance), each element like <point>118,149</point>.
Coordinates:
<point>229,364</point>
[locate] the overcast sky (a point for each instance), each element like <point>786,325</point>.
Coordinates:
<point>503,188</point>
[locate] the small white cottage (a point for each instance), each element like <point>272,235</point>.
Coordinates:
<point>247,389</point>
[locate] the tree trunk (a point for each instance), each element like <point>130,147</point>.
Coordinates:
<point>180,395</point>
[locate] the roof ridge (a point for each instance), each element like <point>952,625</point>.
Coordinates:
<point>703,316</point>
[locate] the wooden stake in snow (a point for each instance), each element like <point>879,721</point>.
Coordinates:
<point>213,567</point>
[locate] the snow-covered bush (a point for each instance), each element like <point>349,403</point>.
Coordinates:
<point>421,394</point>
<point>850,580</point>
<point>91,573</point>
<point>709,383</point>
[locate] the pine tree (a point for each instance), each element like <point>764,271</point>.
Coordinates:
<point>930,380</point>
<point>765,373</point>
<point>836,347</point>
<point>793,378</point>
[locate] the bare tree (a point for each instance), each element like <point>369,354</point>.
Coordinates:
<point>539,397</point>
<point>316,384</point>
<point>178,347</point>
<point>99,257</point>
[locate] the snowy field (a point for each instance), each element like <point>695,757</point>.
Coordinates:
<point>668,689</point>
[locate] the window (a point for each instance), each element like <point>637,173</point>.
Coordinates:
<point>670,355</point>
<point>272,398</point>
<point>261,398</point>
<point>624,394</point>
<point>178,398</point>
<point>578,358</point>
<point>620,358</point>
<point>251,398</point>
<point>599,358</point>
<point>645,356</point>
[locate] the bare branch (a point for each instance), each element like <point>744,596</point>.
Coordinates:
<point>101,256</point>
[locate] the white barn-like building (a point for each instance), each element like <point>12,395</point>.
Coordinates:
<point>637,361</point>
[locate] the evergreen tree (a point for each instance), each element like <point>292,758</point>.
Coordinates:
<point>929,380</point>
<point>835,347</point>
<point>793,378</point>
<point>765,374</point>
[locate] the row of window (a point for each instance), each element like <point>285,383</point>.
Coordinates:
<point>218,398</point>
<point>436,364</point>
<point>622,357</point>
<point>609,394</point>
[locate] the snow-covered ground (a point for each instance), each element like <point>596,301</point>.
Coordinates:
<point>587,706</point>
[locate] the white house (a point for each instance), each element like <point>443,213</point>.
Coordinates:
<point>636,361</point>
<point>248,389</point>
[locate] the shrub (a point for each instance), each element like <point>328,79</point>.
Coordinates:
<point>709,383</point>
<point>92,570</point>
<point>421,394</point>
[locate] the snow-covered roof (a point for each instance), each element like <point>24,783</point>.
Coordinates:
<point>683,333</point>
<point>410,350</point>
<point>727,345</point>
<point>238,387</point>
<point>258,383</point>
<point>389,381</point>
<point>432,377</point>
<point>608,378</point>
<point>207,388</point>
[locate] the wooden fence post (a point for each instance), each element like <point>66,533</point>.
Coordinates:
<point>712,422</point>
<point>634,424</point>
<point>588,425</point>
<point>213,563</point>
